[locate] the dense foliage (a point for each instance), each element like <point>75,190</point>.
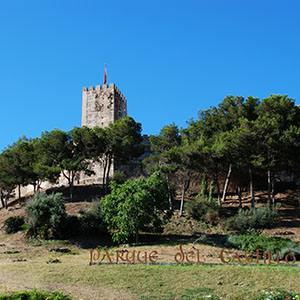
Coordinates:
<point>253,242</point>
<point>14,224</point>
<point>55,153</point>
<point>252,219</point>
<point>46,216</point>
<point>135,204</point>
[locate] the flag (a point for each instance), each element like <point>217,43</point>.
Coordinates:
<point>105,75</point>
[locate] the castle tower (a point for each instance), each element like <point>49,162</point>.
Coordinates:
<point>102,105</point>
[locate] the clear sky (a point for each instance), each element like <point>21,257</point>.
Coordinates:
<point>169,58</point>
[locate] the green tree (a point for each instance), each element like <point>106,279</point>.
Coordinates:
<point>67,152</point>
<point>121,141</point>
<point>165,155</point>
<point>133,205</point>
<point>8,181</point>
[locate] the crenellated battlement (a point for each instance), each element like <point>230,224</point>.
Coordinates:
<point>103,87</point>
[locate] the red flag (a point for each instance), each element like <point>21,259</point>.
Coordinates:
<point>105,75</point>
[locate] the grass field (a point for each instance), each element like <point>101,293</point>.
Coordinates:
<point>28,269</point>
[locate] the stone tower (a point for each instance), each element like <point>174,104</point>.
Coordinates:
<point>102,105</point>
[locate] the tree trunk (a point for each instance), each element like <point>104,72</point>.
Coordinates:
<point>218,190</point>
<point>107,175</point>
<point>2,199</point>
<point>184,189</point>
<point>226,183</point>
<point>38,186</point>
<point>239,192</point>
<point>19,190</point>
<point>269,186</point>
<point>298,183</point>
<point>273,190</point>
<point>104,172</point>
<point>6,200</point>
<point>169,190</point>
<point>71,184</point>
<point>251,189</point>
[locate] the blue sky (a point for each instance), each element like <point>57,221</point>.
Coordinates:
<point>169,58</point>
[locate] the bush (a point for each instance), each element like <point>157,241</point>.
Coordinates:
<point>256,218</point>
<point>119,177</point>
<point>14,224</point>
<point>203,210</point>
<point>91,221</point>
<point>254,241</point>
<point>135,204</point>
<point>46,216</point>
<point>35,295</point>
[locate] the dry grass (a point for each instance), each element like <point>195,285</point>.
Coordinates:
<point>74,276</point>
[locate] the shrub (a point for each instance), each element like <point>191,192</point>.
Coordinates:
<point>254,241</point>
<point>256,218</point>
<point>35,295</point>
<point>119,177</point>
<point>46,216</point>
<point>203,210</point>
<point>91,221</point>
<point>14,224</point>
<point>133,205</point>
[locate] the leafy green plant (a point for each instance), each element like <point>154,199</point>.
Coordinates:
<point>256,218</point>
<point>46,216</point>
<point>254,241</point>
<point>14,224</point>
<point>35,295</point>
<point>119,177</point>
<point>135,204</point>
<point>203,210</point>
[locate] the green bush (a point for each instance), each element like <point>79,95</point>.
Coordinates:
<point>254,241</point>
<point>203,210</point>
<point>135,204</point>
<point>14,224</point>
<point>91,221</point>
<point>256,218</point>
<point>119,177</point>
<point>35,295</point>
<point>46,216</point>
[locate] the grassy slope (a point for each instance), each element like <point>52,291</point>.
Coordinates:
<point>74,276</point>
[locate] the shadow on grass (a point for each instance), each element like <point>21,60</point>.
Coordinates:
<point>147,239</point>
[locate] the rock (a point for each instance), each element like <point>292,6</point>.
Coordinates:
<point>53,261</point>
<point>60,250</point>
<point>19,260</point>
<point>241,284</point>
<point>11,252</point>
<point>286,232</point>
